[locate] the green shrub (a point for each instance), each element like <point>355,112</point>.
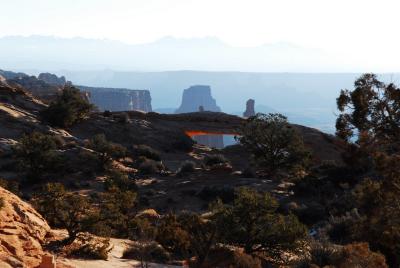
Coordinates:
<point>351,255</point>
<point>343,229</point>
<point>116,213</point>
<point>181,143</point>
<point>252,222</point>
<point>274,143</point>
<point>62,209</point>
<point>36,154</point>
<point>149,166</point>
<point>146,151</point>
<point>172,236</point>
<point>187,167</point>
<point>69,108</point>
<point>320,254</point>
<point>214,159</point>
<point>225,257</point>
<point>106,151</point>
<point>120,181</point>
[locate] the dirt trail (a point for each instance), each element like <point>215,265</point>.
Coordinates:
<point>114,260</point>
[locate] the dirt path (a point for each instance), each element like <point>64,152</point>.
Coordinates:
<point>114,260</point>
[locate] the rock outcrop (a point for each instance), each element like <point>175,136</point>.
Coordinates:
<point>11,75</point>
<point>39,88</point>
<point>197,96</point>
<point>53,79</point>
<point>249,108</point>
<point>119,99</point>
<point>22,231</point>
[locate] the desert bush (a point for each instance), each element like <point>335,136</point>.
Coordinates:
<point>252,222</point>
<point>119,180</point>
<point>2,203</point>
<point>274,143</point>
<point>147,252</point>
<point>172,236</point>
<point>318,187</point>
<point>89,247</point>
<point>225,257</point>
<point>245,261</point>
<point>181,143</point>
<point>62,209</point>
<point>187,167</point>
<point>187,235</point>
<point>202,234</point>
<point>320,255</point>
<point>36,154</point>
<point>351,255</point>
<point>105,150</point>
<point>210,193</point>
<point>69,108</point>
<point>343,229</point>
<point>116,213</point>
<point>359,255</point>
<point>149,166</point>
<point>215,159</point>
<point>146,151</point>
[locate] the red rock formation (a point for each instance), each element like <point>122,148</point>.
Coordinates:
<point>22,231</point>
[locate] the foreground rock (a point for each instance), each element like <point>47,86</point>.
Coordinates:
<point>22,231</point>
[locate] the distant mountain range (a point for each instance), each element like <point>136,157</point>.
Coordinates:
<point>169,53</point>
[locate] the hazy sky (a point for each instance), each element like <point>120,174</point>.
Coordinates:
<point>357,28</point>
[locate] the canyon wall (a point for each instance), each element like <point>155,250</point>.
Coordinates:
<point>119,99</point>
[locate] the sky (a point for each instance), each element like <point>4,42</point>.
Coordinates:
<point>363,30</point>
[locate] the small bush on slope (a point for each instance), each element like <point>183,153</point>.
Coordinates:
<point>69,108</point>
<point>36,154</point>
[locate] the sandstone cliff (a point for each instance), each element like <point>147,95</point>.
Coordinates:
<point>22,231</point>
<point>119,99</point>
